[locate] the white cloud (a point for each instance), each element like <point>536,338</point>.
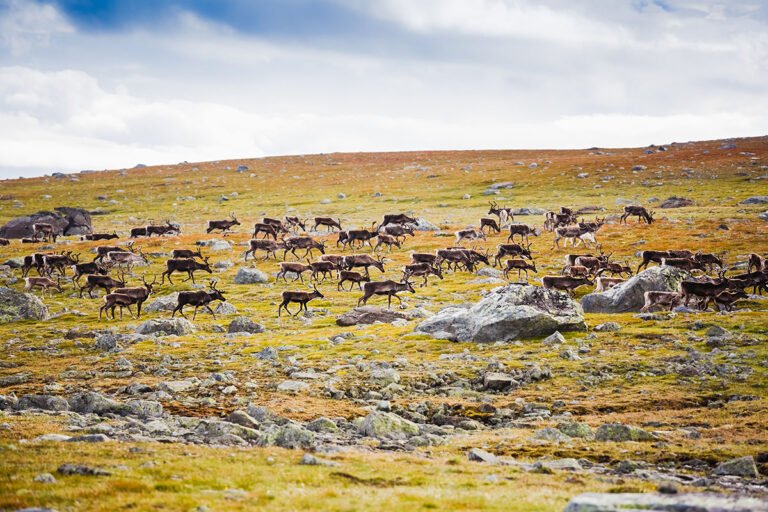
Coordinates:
<point>26,24</point>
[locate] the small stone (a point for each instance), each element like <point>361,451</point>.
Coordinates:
<point>292,386</point>
<point>310,460</point>
<point>45,478</point>
<point>478,455</point>
<point>554,339</point>
<point>608,327</point>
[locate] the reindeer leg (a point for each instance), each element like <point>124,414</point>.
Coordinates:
<point>211,311</point>
<point>195,312</point>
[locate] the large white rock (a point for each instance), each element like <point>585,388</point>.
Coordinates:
<point>629,295</point>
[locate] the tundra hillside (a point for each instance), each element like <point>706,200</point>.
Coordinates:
<point>254,410</point>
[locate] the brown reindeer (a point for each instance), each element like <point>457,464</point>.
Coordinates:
<point>637,211</point>
<point>4,241</point>
<point>100,236</point>
<point>423,270</point>
<point>387,240</point>
<point>656,256</point>
<point>90,267</point>
<point>137,232</point>
<point>161,230</point>
<point>47,231</point>
<point>99,281</point>
<point>44,283</point>
<point>423,257</point>
<point>352,277</point>
<point>469,234</point>
<point>35,260</point>
<point>324,268</point>
<point>59,262</point>
<point>606,283</point>
<point>302,242</point>
<point>503,213</point>
<point>302,298</point>
<point>199,298</point>
<point>398,231</point>
<point>223,225</point>
<point>398,218</point>
<point>364,236</point>
<point>757,262</point>
<point>523,231</point>
<point>294,223</point>
<point>294,268</point>
<point>276,223</point>
<point>521,266</point>
<point>139,294</point>
<point>491,224</point>
<point>362,260</point>
<point>661,299</point>
<point>565,283</point>
<point>188,265</point>
<point>389,288</point>
<point>113,300</point>
<point>328,223</point>
<point>267,229</point>
<point>511,250</point>
<point>186,253</point>
<point>268,246</point>
<point>705,290</point>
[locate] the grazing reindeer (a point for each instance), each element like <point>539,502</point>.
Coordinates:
<point>113,300</point>
<point>389,288</point>
<point>328,223</point>
<point>705,290</point>
<point>302,242</point>
<point>268,246</point>
<point>301,297</point>
<point>708,260</point>
<point>139,294</point>
<point>578,271</point>
<point>469,234</point>
<point>30,241</point>
<point>521,266</point>
<point>576,234</point>
<point>387,240</point>
<point>361,235</point>
<point>295,223</point>
<point>503,213</point>
<point>757,262</point>
<point>137,232</point>
<point>423,257</point>
<point>103,250</point>
<point>398,218</point>
<point>554,220</point>
<point>362,260</point>
<point>36,260</point>
<point>724,300</point>
<point>637,211</point>
<point>683,264</point>
<point>44,283</point>
<point>186,253</point>
<point>199,298</point>
<point>565,283</point>
<point>90,267</point>
<point>455,258</point>
<point>511,250</point>
<point>398,231</point>
<point>757,280</point>
<point>614,269</point>
<point>267,229</point>
<point>168,228</point>
<point>223,225</point>
<point>188,265</point>
<point>293,267</point>
<point>656,256</point>
<point>663,299</point>
<point>324,268</point>
<point>606,283</point>
<point>337,260</point>
<point>47,231</point>
<point>523,231</point>
<point>276,223</point>
<point>126,258</point>
<point>353,277</point>
<point>100,236</point>
<point>59,262</point>
<point>422,270</point>
<point>99,281</point>
<point>491,224</point>
<point>343,239</point>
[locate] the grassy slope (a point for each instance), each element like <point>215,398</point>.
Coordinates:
<point>431,185</point>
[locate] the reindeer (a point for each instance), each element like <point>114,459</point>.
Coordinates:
<point>606,283</point>
<point>293,267</point>
<point>188,265</point>
<point>362,260</point>
<point>757,262</point>
<point>523,231</point>
<point>126,258</point>
<point>683,264</point>
<point>295,223</point>
<point>337,260</point>
<point>664,299</point>
<point>398,231</point>
<point>491,224</point>
<point>4,242</point>
<point>565,283</point>
<point>324,268</point>
<point>30,241</point>
<point>99,281</point>
<point>637,211</point>
<point>387,240</point>
<point>267,229</point>
<point>705,290</point>
<point>163,230</point>
<point>328,223</point>
<point>521,266</point>
<point>423,257</point>
<point>724,300</point>
<point>102,250</point>
<point>199,298</point>
<point>48,232</point>
<point>269,246</point>
<point>91,267</point>
<point>276,223</point>
<point>223,225</point>
<point>578,271</point>
<point>34,260</point>
<point>503,213</point>
<point>455,258</point>
<point>398,218</point>
<point>361,235</point>
<point>556,220</point>
<point>708,260</point>
<point>389,288</point>
<point>44,283</point>
<point>300,297</point>
<point>343,239</point>
<point>113,300</point>
<point>757,280</point>
<point>422,270</point>
<point>139,294</point>
<point>353,277</point>
<point>574,233</point>
<point>100,236</point>
<point>137,232</point>
<point>186,253</point>
<point>59,262</point>
<point>615,269</point>
<point>302,242</point>
<point>469,234</point>
<point>511,250</point>
<point>656,256</point>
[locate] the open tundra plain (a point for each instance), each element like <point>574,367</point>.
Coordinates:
<point>253,410</point>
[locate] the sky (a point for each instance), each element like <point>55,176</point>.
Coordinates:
<point>89,84</point>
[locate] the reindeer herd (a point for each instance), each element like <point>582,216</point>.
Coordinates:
<point>288,236</point>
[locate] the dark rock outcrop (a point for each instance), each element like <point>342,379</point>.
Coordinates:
<point>67,221</point>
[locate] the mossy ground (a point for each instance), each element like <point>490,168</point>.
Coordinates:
<point>618,382</point>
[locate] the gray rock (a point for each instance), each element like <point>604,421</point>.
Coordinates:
<point>92,402</point>
<point>294,436</point>
<point>617,432</point>
<point>16,306</point>
<point>89,438</point>
<point>675,202</point>
<point>292,386</point>
<point>164,303</point>
<point>387,425</point>
<point>323,424</point>
<point>528,211</point>
<point>629,295</point>
<point>551,434</point>
<point>247,275</point>
<point>755,200</point>
<point>240,417</point>
<point>219,245</point>
<point>424,225</point>
<point>742,466</point>
<point>365,315</point>
<point>559,465</point>
<point>79,469</point>
<point>224,309</point>
<point>384,376</point>
<point>657,502</point>
<point>607,327</point>
<point>177,386</point>
<point>763,216</point>
<point>580,430</point>
<point>143,408</point>
<point>554,339</point>
<point>478,455</point>
<point>497,381</point>
<point>45,478</point>
<point>44,402</point>
<point>166,327</point>
<point>267,354</point>
<point>107,342</point>
<point>508,313</point>
<point>310,460</point>
<point>65,221</point>
<point>489,272</point>
<point>244,324</point>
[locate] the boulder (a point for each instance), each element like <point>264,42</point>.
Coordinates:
<point>742,466</point>
<point>16,306</point>
<point>617,432</point>
<point>224,309</point>
<point>44,402</point>
<point>424,225</point>
<point>507,313</point>
<point>675,202</point>
<point>497,381</point>
<point>166,327</point>
<point>659,502</point>
<point>479,455</point>
<point>245,324</point>
<point>65,220</point>
<point>751,200</point>
<point>247,275</point>
<point>528,211</point>
<point>294,436</point>
<point>387,425</point>
<point>164,303</point>
<point>369,315</point>
<point>142,408</point>
<point>628,296</point>
<point>92,402</point>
